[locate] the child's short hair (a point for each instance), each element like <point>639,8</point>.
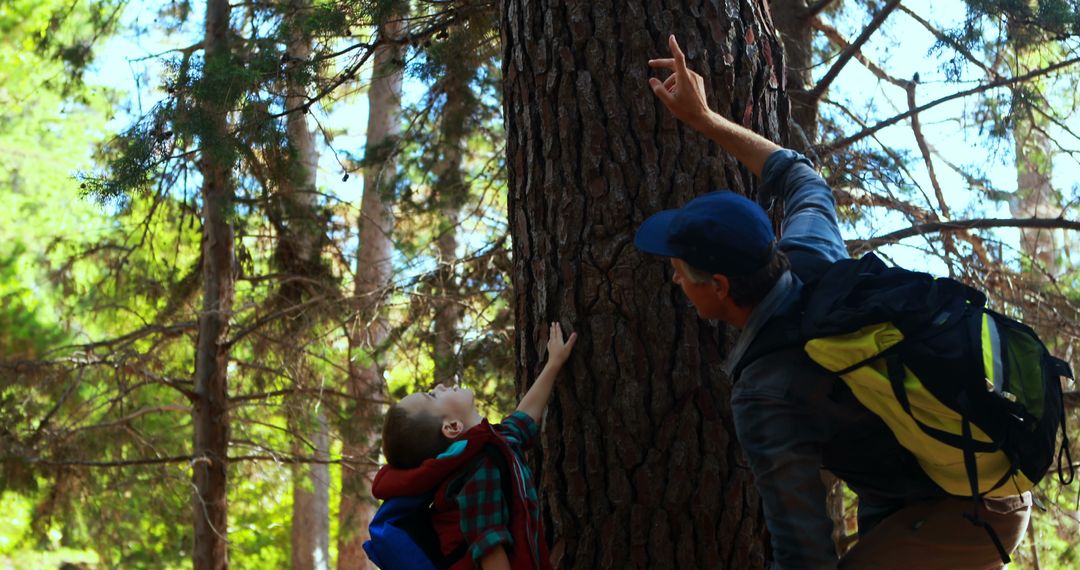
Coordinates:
<point>409,439</point>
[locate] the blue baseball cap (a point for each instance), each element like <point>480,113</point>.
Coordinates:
<point>719,232</point>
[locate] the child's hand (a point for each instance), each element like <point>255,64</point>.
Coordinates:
<point>558,350</point>
<point>536,398</point>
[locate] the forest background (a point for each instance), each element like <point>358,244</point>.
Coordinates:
<point>231,233</point>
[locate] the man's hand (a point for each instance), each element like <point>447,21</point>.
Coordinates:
<point>558,350</point>
<point>683,92</point>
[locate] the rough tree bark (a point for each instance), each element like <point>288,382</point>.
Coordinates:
<point>639,465</point>
<point>298,254</point>
<point>210,414</point>
<point>373,274</point>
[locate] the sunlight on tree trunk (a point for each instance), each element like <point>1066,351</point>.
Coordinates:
<point>1035,196</point>
<point>210,413</point>
<point>373,274</point>
<point>310,533</point>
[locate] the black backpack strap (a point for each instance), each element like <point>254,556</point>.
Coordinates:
<point>966,442</point>
<point>1064,455</point>
<point>973,479</point>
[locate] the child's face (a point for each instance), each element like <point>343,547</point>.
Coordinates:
<point>442,402</point>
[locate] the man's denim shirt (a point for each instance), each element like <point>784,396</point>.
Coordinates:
<point>780,403</point>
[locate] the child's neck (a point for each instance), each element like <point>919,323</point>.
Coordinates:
<point>473,421</point>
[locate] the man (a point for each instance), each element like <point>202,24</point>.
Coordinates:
<point>793,418</point>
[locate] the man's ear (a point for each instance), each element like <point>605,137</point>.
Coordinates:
<point>452,428</point>
<point>721,285</point>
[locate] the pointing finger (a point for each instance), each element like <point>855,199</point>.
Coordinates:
<point>677,54</point>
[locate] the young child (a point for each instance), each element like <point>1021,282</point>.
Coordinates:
<point>437,440</point>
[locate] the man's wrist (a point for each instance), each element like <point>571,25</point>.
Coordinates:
<point>706,121</point>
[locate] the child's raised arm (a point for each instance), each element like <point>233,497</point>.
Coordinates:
<point>558,351</point>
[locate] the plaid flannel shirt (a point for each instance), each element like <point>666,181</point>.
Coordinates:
<point>484,510</point>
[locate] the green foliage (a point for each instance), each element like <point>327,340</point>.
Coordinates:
<point>111,290</point>
<point>134,161</point>
<point>25,333</point>
<point>1054,18</point>
<point>260,518</point>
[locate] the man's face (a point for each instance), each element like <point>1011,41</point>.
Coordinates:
<point>442,402</point>
<point>706,296</point>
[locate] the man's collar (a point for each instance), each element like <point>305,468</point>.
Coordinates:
<point>761,314</point>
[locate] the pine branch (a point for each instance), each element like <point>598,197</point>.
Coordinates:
<point>951,43</point>
<point>816,8</point>
<point>837,38</point>
<point>135,415</point>
<point>848,53</point>
<point>236,400</point>
<point>863,245</point>
<point>848,141</point>
<point>285,459</point>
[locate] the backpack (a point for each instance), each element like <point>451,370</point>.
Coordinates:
<point>974,395</point>
<point>402,534</point>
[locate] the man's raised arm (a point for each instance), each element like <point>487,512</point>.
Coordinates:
<point>683,93</point>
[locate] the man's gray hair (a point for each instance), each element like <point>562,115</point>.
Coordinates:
<point>695,275</point>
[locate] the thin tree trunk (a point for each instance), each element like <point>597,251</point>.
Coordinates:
<point>299,255</point>
<point>639,464</point>
<point>796,34</point>
<point>447,308</point>
<point>1034,545</point>
<point>1034,196</point>
<point>311,503</point>
<point>373,274</point>
<point>451,190</point>
<point>210,407</point>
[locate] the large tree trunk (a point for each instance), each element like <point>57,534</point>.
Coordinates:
<point>299,256</point>
<point>639,467</point>
<point>373,274</point>
<point>210,414</point>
